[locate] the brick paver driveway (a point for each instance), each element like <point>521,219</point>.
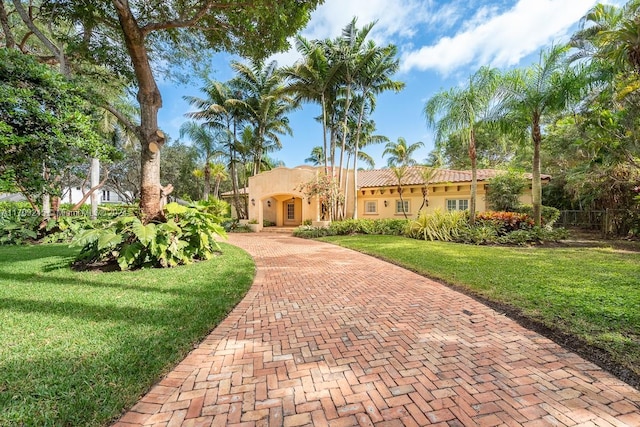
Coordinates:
<point>327,336</point>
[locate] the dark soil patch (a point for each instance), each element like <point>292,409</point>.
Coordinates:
<point>96,266</point>
<point>591,239</point>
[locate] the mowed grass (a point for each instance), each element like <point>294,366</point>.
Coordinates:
<point>76,348</point>
<point>592,293</point>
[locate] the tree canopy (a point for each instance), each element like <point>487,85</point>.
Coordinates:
<point>155,34</point>
<point>45,124</point>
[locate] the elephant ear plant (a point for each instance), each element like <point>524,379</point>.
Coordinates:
<point>188,235</point>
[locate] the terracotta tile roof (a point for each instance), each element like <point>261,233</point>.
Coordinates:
<point>386,177</point>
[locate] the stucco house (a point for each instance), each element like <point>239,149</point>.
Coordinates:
<point>277,195</point>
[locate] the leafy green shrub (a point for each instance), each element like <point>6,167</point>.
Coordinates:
<point>364,226</point>
<point>267,223</point>
<point>188,235</point>
<point>549,214</point>
<point>213,206</point>
<point>19,229</point>
<point>389,226</point>
<point>310,232</point>
<point>16,209</point>
<point>504,191</point>
<point>534,235</point>
<point>346,227</point>
<point>505,222</point>
<point>439,225</point>
<point>480,234</point>
<point>23,229</point>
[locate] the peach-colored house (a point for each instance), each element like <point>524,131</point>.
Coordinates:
<point>277,196</point>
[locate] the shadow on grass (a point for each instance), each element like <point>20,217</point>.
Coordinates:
<point>17,253</point>
<point>87,389</point>
<point>126,282</point>
<point>79,348</point>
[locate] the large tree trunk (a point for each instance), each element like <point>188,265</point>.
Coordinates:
<point>9,41</point>
<point>473,156</point>
<point>536,187</point>
<point>151,139</point>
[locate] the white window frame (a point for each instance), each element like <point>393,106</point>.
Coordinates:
<point>407,209</point>
<point>458,204</point>
<point>368,204</point>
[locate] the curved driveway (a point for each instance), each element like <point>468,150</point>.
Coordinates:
<point>328,336</point>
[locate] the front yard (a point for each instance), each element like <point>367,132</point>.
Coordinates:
<point>77,348</point>
<point>587,298</point>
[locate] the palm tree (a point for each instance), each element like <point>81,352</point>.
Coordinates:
<point>374,78</point>
<point>535,93</point>
<point>207,144</point>
<point>219,173</point>
<point>460,110</point>
<point>220,110</point>
<point>197,174</point>
<point>353,55</point>
<point>611,34</point>
<point>400,153</point>
<point>315,78</point>
<point>367,137</point>
<point>316,157</point>
<point>266,103</point>
<point>399,172</point>
<point>427,173</point>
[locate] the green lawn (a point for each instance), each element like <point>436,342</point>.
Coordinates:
<point>77,348</point>
<point>589,292</point>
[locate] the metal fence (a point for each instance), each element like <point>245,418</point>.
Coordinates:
<point>609,222</point>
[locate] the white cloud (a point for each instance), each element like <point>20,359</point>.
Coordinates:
<point>500,40</point>
<point>395,19</point>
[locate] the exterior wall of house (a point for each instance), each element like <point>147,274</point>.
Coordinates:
<point>277,196</point>
<point>105,195</point>
<point>371,201</point>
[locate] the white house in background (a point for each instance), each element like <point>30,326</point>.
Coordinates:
<point>105,194</point>
<point>73,195</point>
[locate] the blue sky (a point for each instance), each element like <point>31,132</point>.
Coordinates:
<point>440,44</point>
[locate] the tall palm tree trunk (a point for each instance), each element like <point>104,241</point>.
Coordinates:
<point>536,187</point>
<point>355,160</point>
<point>343,146</point>
<point>216,191</point>
<point>207,181</point>
<point>473,156</point>
<point>324,134</point>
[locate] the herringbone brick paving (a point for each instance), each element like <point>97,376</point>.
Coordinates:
<point>330,337</point>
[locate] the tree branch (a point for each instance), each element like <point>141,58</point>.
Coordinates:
<point>48,44</point>
<point>91,191</point>
<point>123,119</point>
<point>190,22</point>
<point>32,202</point>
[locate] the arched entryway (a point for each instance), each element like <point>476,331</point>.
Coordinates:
<point>283,210</point>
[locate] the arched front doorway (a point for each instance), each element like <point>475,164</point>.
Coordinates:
<point>292,212</point>
<point>283,210</point>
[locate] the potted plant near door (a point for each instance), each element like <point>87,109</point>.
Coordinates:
<point>253,225</point>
